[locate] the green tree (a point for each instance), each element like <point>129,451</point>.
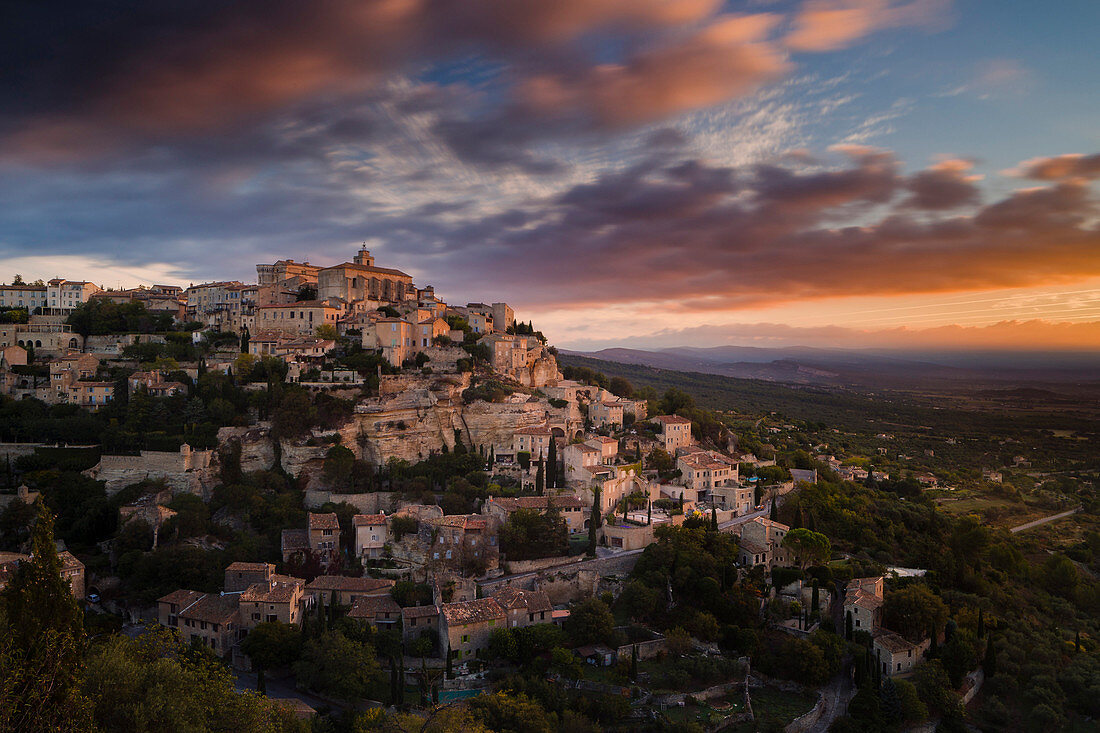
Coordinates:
<point>506,713</point>
<point>589,621</point>
<point>273,645</point>
<point>915,612</point>
<point>809,547</point>
<point>1060,575</point>
<point>339,465</point>
<point>41,641</point>
<point>154,683</point>
<point>335,665</point>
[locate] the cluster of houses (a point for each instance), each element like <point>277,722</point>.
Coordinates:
<point>254,593</point>
<point>73,380</point>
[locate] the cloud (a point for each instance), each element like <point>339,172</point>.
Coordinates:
<point>85,82</point>
<point>946,185</point>
<point>1060,167</point>
<point>722,60</point>
<point>699,237</point>
<point>828,25</point>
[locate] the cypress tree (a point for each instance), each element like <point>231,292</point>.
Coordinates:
<point>713,519</point>
<point>981,623</point>
<point>540,477</point>
<point>552,464</point>
<point>594,522</point>
<point>634,663</point>
<point>1077,642</point>
<point>773,515</point>
<point>815,598</point>
<point>649,514</point>
<point>492,455</point>
<point>261,682</point>
<point>848,626</point>
<point>42,641</point>
<point>990,664</point>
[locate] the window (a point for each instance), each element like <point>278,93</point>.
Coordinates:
<point>465,638</point>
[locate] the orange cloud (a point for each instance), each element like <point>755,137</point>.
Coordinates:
<point>1060,167</point>
<point>720,61</point>
<point>827,25</point>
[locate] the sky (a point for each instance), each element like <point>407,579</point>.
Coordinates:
<point>852,173</point>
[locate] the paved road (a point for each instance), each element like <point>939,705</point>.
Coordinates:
<point>838,693</point>
<point>1044,520</point>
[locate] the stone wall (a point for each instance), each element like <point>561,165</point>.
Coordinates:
<point>186,471</point>
<point>17,450</point>
<point>807,720</point>
<point>373,503</point>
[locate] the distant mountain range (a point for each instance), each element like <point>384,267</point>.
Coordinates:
<point>893,369</point>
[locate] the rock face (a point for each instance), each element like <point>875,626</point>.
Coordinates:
<point>414,417</point>
<point>188,471</point>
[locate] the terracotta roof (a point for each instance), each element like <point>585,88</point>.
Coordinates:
<point>671,419</point>
<point>181,597</point>
<point>212,608</point>
<point>891,642</point>
<point>863,599</point>
<point>461,521</point>
<point>604,439</point>
<point>585,448</point>
<point>323,521</point>
<point>363,520</point>
<point>250,567</point>
<point>369,268</point>
<point>420,611</point>
<point>512,598</point>
<point>69,561</point>
<point>273,591</point>
<point>345,583</point>
<point>373,606</point>
<point>471,612</point>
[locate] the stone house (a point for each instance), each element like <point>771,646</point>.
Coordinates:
<point>573,509</point>
<point>738,499</point>
<point>298,319</point>
<point>210,619</point>
<point>382,612</point>
<point>524,607</point>
<point>578,459</point>
<point>280,599</point>
<point>324,534</point>
<point>415,620</point>
<point>704,470</point>
<point>429,329</point>
<point>608,448</point>
<point>896,654</point>
<point>240,576</point>
<point>675,432</point>
<point>606,412</point>
<point>863,601</point>
<point>72,569</point>
<point>535,440</point>
<point>762,543</point>
<point>465,627</point>
<point>458,540</point>
<point>371,535</point>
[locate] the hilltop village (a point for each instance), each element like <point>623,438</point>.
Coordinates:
<point>356,496</point>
